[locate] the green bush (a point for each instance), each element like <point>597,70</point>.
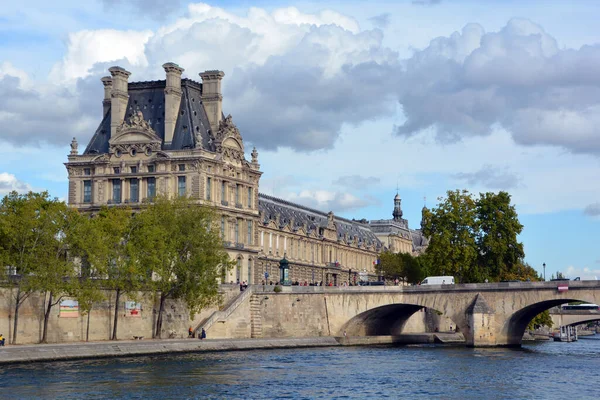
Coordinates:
<point>277,289</point>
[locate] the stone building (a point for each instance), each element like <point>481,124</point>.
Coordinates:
<point>395,235</point>
<point>171,137</point>
<point>319,246</point>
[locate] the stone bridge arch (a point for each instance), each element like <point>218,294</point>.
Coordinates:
<point>491,314</point>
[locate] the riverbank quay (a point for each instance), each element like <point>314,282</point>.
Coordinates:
<point>131,348</point>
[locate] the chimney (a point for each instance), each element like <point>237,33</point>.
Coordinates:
<point>107,81</point>
<point>172,99</point>
<point>211,97</point>
<point>118,97</point>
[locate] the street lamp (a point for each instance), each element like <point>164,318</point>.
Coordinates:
<point>544,265</point>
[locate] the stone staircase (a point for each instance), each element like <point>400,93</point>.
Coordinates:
<point>255,317</point>
<point>226,312</point>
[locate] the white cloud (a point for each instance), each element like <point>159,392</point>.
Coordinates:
<point>465,84</point>
<point>327,200</point>
<point>88,47</point>
<point>9,182</point>
<point>584,273</point>
<point>46,113</point>
<point>492,177</point>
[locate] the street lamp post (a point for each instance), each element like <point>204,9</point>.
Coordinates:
<point>544,265</point>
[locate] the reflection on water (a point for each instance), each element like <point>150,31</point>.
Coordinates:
<point>537,371</point>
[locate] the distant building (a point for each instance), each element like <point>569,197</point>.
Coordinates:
<point>171,137</point>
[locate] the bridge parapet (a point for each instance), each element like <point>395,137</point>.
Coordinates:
<point>465,287</point>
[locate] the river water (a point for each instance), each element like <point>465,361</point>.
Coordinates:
<point>542,370</point>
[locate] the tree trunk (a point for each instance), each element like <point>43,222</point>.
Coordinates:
<point>46,318</point>
<point>159,319</point>
<point>87,331</point>
<point>114,335</point>
<point>15,322</point>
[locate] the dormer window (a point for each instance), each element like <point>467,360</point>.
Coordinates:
<point>181,167</point>
<point>117,170</point>
<point>87,171</point>
<point>133,170</point>
<point>150,168</point>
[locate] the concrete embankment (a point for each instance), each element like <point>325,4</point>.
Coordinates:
<point>77,351</point>
<point>129,348</point>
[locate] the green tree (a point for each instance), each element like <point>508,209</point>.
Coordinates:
<point>499,251</point>
<point>452,228</point>
<point>542,319</point>
<point>32,240</point>
<point>415,269</point>
<point>390,265</point>
<point>107,249</point>
<point>56,273</point>
<point>181,244</point>
<point>403,265</point>
<point>520,272</point>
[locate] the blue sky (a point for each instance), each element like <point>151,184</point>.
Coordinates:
<point>345,101</point>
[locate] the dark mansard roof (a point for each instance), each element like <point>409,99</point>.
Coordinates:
<point>149,98</point>
<point>347,230</point>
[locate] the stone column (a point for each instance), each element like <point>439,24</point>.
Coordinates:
<point>119,97</point>
<point>212,98</point>
<point>173,95</point>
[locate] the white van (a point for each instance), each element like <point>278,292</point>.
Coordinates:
<point>438,280</point>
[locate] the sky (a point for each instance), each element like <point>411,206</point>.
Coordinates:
<point>347,102</point>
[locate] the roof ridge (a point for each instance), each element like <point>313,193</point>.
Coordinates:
<point>302,207</point>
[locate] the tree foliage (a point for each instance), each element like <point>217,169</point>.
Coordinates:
<point>542,319</point>
<point>181,245</point>
<point>403,266</point>
<point>171,246</point>
<point>35,233</point>
<point>498,248</point>
<point>452,231</point>
<point>474,238</point>
<point>105,249</point>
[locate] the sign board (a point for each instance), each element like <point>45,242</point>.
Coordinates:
<point>563,288</point>
<point>266,275</point>
<point>133,309</point>
<point>69,309</point>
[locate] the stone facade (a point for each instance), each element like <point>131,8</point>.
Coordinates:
<point>163,141</point>
<point>171,137</point>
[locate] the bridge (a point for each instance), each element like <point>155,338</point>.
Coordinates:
<point>490,314</point>
<point>573,317</point>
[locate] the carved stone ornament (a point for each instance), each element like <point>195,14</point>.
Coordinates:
<point>135,136</point>
<point>73,171</point>
<point>228,135</point>
<point>74,146</point>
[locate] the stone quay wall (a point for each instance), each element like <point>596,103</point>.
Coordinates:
<point>63,328</point>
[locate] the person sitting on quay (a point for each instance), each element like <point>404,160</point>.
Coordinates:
<point>2,340</point>
<point>190,332</point>
<point>203,334</point>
